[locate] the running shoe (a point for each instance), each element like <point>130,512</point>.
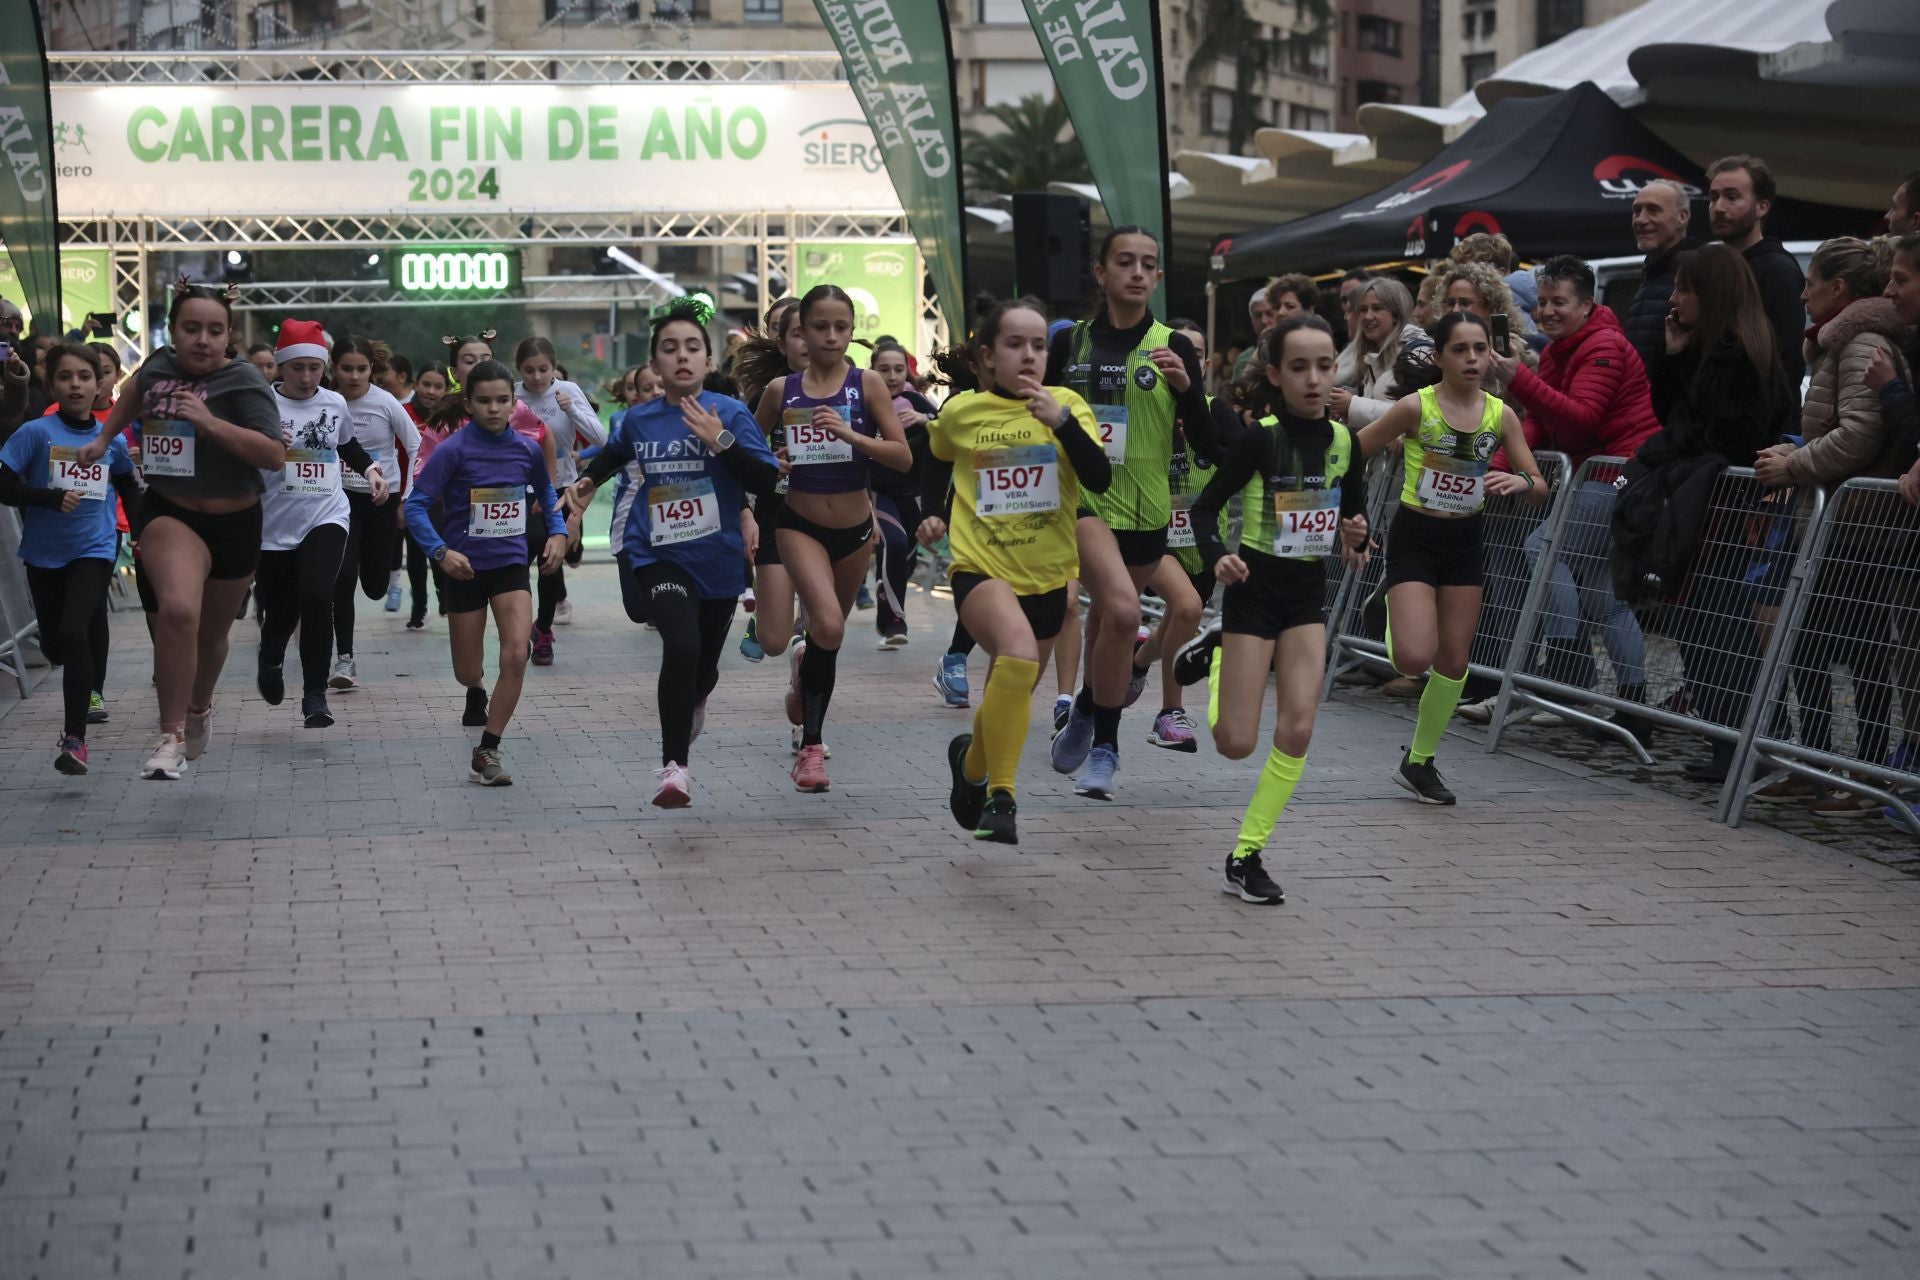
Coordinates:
<point>1246,879</point>
<point>199,727</point>
<point>563,614</point>
<point>750,643</point>
<point>864,600</point>
<point>1136,678</point>
<point>72,759</point>
<point>1844,804</point>
<point>271,681</point>
<point>475,716</point>
<point>313,708</point>
<point>1173,729</point>
<point>997,820</point>
<point>393,599</point>
<point>96,709</point>
<point>796,700</point>
<point>676,788</point>
<point>1062,708</point>
<point>168,760</point>
<point>798,737</point>
<point>1480,712</point>
<point>951,680</point>
<point>542,654</point>
<point>345,673</point>
<point>418,622</point>
<point>1195,658</point>
<point>699,721</point>
<point>966,796</point>
<point>746,600</point>
<point>1423,780</point>
<point>895,638</point>
<point>1096,780</point>
<point>1073,740</point>
<point>485,768</point>
<point>810,770</point>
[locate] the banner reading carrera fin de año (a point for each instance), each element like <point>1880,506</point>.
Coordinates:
<point>899,60</point>
<point>29,220</point>
<point>1105,56</point>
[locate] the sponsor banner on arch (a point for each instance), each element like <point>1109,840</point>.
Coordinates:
<point>191,150</point>
<point>880,276</point>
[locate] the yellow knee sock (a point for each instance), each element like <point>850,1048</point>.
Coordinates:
<point>1437,703</point>
<point>1000,727</point>
<point>1213,689</point>
<point>1278,778</point>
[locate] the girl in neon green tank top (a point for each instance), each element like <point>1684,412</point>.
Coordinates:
<point>1449,434</point>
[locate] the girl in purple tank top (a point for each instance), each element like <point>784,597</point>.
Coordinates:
<point>837,420</point>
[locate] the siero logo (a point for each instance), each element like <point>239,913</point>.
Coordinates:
<point>1621,177</point>
<point>891,263</point>
<point>840,144</point>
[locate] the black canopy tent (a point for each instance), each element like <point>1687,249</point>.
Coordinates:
<point>1556,173</point>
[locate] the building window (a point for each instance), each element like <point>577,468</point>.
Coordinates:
<point>999,13</point>
<point>761,11</point>
<point>1479,21</point>
<point>1313,119</point>
<point>1476,67</point>
<point>1556,18</point>
<point>571,12</point>
<point>997,83</point>
<point>1366,91</point>
<point>1309,58</point>
<point>1373,34</point>
<point>1216,111</point>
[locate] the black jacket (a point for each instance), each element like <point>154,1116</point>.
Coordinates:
<point>1900,410</point>
<point>1716,412</point>
<point>1781,280</point>
<point>1646,322</point>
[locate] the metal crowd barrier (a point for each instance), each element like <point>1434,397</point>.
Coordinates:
<point>18,625</point>
<point>1858,607</point>
<point>1356,636</point>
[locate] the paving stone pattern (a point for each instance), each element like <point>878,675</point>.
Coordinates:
<point>324,1009</point>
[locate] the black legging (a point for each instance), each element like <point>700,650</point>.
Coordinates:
<point>899,519</point>
<point>693,631</point>
<point>549,588</point>
<point>366,561</point>
<point>71,605</point>
<point>418,566</point>
<point>297,588</point>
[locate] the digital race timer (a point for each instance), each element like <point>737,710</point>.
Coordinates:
<point>456,269</point>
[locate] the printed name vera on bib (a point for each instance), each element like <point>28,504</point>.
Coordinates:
<point>1016,482</point>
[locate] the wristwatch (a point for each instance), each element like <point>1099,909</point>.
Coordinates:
<point>723,441</point>
<point>439,554</point>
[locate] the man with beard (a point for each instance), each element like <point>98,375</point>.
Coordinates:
<point>1740,192</point>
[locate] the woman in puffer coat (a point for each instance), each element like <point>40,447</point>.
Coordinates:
<point>1364,382</point>
<point>1844,436</point>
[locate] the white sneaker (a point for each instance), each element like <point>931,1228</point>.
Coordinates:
<point>563,613</point>
<point>345,674</point>
<point>199,726</point>
<point>168,760</point>
<point>1547,720</point>
<point>1480,712</point>
<point>676,788</point>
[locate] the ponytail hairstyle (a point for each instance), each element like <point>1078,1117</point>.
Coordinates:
<point>953,365</point>
<point>537,346</point>
<point>1862,265</point>
<point>1414,373</point>
<point>377,352</point>
<point>1106,247</point>
<point>826,293</point>
<point>1253,391</point>
<point>761,356</point>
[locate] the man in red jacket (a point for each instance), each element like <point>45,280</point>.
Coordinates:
<point>1590,397</point>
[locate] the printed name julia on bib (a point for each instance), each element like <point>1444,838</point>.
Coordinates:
<point>811,446</point>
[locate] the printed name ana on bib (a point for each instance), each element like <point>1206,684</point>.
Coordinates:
<point>498,513</point>
<point>70,473</point>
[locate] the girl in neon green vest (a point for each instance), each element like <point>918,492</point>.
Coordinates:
<point>1433,580</point>
<point>1140,378</point>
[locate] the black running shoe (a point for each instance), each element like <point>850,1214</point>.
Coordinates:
<point>996,820</point>
<point>967,796</point>
<point>1423,780</point>
<point>271,683</point>
<point>476,713</point>
<point>1194,662</point>
<point>1248,880</point>
<point>314,707</point>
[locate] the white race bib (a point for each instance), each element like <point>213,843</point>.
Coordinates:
<point>1016,482</point>
<point>1453,485</point>
<point>498,513</point>
<point>1306,523</point>
<point>354,480</point>
<point>68,472</point>
<point>1111,422</point>
<point>313,471</point>
<point>682,512</point>
<point>811,446</point>
<point>1180,527</point>
<point>167,448</point>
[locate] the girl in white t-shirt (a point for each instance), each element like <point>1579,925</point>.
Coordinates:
<point>571,420</point>
<point>383,429</point>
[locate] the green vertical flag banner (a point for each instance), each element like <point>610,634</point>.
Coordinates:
<point>1105,56</point>
<point>29,218</point>
<point>899,60</point>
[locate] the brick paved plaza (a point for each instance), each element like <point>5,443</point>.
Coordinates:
<point>324,1009</point>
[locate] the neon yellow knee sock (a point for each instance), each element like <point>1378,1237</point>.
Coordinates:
<point>1000,726</point>
<point>1213,689</point>
<point>1278,777</point>
<point>1437,703</point>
